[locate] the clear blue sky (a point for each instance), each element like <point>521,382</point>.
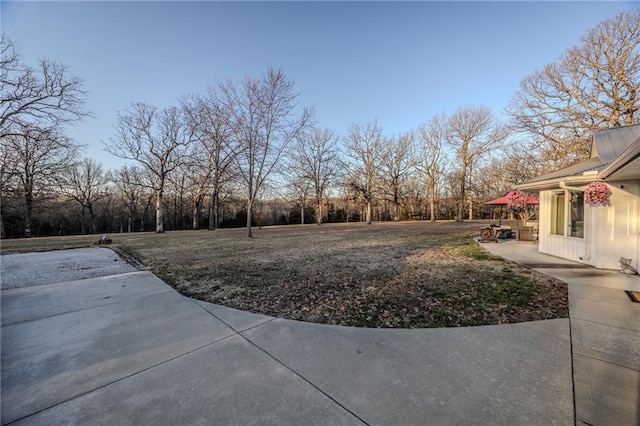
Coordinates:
<point>354,61</point>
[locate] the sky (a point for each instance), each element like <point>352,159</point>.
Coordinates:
<point>398,62</point>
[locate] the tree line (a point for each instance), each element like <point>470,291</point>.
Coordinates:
<point>244,153</point>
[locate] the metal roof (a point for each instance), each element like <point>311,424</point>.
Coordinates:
<point>608,144</point>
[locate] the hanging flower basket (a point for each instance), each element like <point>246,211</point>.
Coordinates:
<point>597,194</point>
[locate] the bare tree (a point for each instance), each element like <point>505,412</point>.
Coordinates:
<point>39,156</point>
<point>595,85</point>
<point>156,140</point>
<point>85,183</point>
<point>129,191</point>
<point>432,159</point>
<point>179,192</point>
<point>365,153</point>
<point>315,160</point>
<point>264,123</point>
<point>47,95</point>
<point>473,131</point>
<point>301,190</point>
<point>398,163</point>
<point>213,153</point>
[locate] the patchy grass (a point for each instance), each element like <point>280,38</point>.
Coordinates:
<point>405,275</point>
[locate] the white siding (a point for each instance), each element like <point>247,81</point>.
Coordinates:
<point>610,232</point>
<point>615,227</point>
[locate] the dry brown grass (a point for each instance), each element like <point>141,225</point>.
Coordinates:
<point>409,274</point>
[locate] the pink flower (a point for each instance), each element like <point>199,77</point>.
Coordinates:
<point>597,194</point>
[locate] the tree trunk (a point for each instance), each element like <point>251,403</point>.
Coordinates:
<point>83,227</point>
<point>463,181</point>
<point>28,199</point>
<point>92,218</point>
<point>460,210</point>
<point>249,214</point>
<point>213,213</point>
<point>302,213</point>
<point>214,218</point>
<point>196,215</point>
<point>159,213</point>
<point>368,212</point>
<point>319,213</point>
<point>432,207</point>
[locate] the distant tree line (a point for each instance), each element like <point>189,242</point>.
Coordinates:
<point>244,153</point>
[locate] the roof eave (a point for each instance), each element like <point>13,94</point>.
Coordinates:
<point>555,183</point>
<point>626,157</point>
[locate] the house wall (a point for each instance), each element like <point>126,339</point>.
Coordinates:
<point>610,232</point>
<point>616,227</point>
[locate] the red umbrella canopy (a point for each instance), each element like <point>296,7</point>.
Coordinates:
<point>502,201</point>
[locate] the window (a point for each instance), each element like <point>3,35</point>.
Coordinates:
<point>557,213</point>
<point>577,214</point>
<point>567,212</point>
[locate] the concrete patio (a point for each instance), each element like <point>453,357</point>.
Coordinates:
<point>605,334</point>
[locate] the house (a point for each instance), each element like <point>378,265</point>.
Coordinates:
<point>598,236</point>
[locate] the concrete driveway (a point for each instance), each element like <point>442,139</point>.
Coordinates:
<point>125,348</point>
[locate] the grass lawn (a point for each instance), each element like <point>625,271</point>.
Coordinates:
<point>404,275</point>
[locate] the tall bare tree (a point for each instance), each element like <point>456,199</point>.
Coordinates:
<point>47,94</point>
<point>365,151</point>
<point>213,153</point>
<point>315,160</point>
<point>39,156</point>
<point>595,85</point>
<point>86,184</point>
<point>398,163</point>
<point>432,159</point>
<point>129,191</point>
<point>301,189</point>
<point>473,131</point>
<point>35,104</point>
<point>264,123</point>
<point>156,140</point>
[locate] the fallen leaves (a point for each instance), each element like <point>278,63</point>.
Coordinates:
<point>398,275</point>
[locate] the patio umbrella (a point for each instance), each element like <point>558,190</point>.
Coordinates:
<point>502,201</point>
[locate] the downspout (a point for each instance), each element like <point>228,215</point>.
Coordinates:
<point>587,237</point>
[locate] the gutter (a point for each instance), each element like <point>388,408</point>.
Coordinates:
<point>558,183</point>
<point>563,185</point>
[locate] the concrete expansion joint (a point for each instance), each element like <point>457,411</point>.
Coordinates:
<point>105,385</point>
<point>282,363</point>
<point>573,372</point>
<point>605,324</point>
<point>617,364</point>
